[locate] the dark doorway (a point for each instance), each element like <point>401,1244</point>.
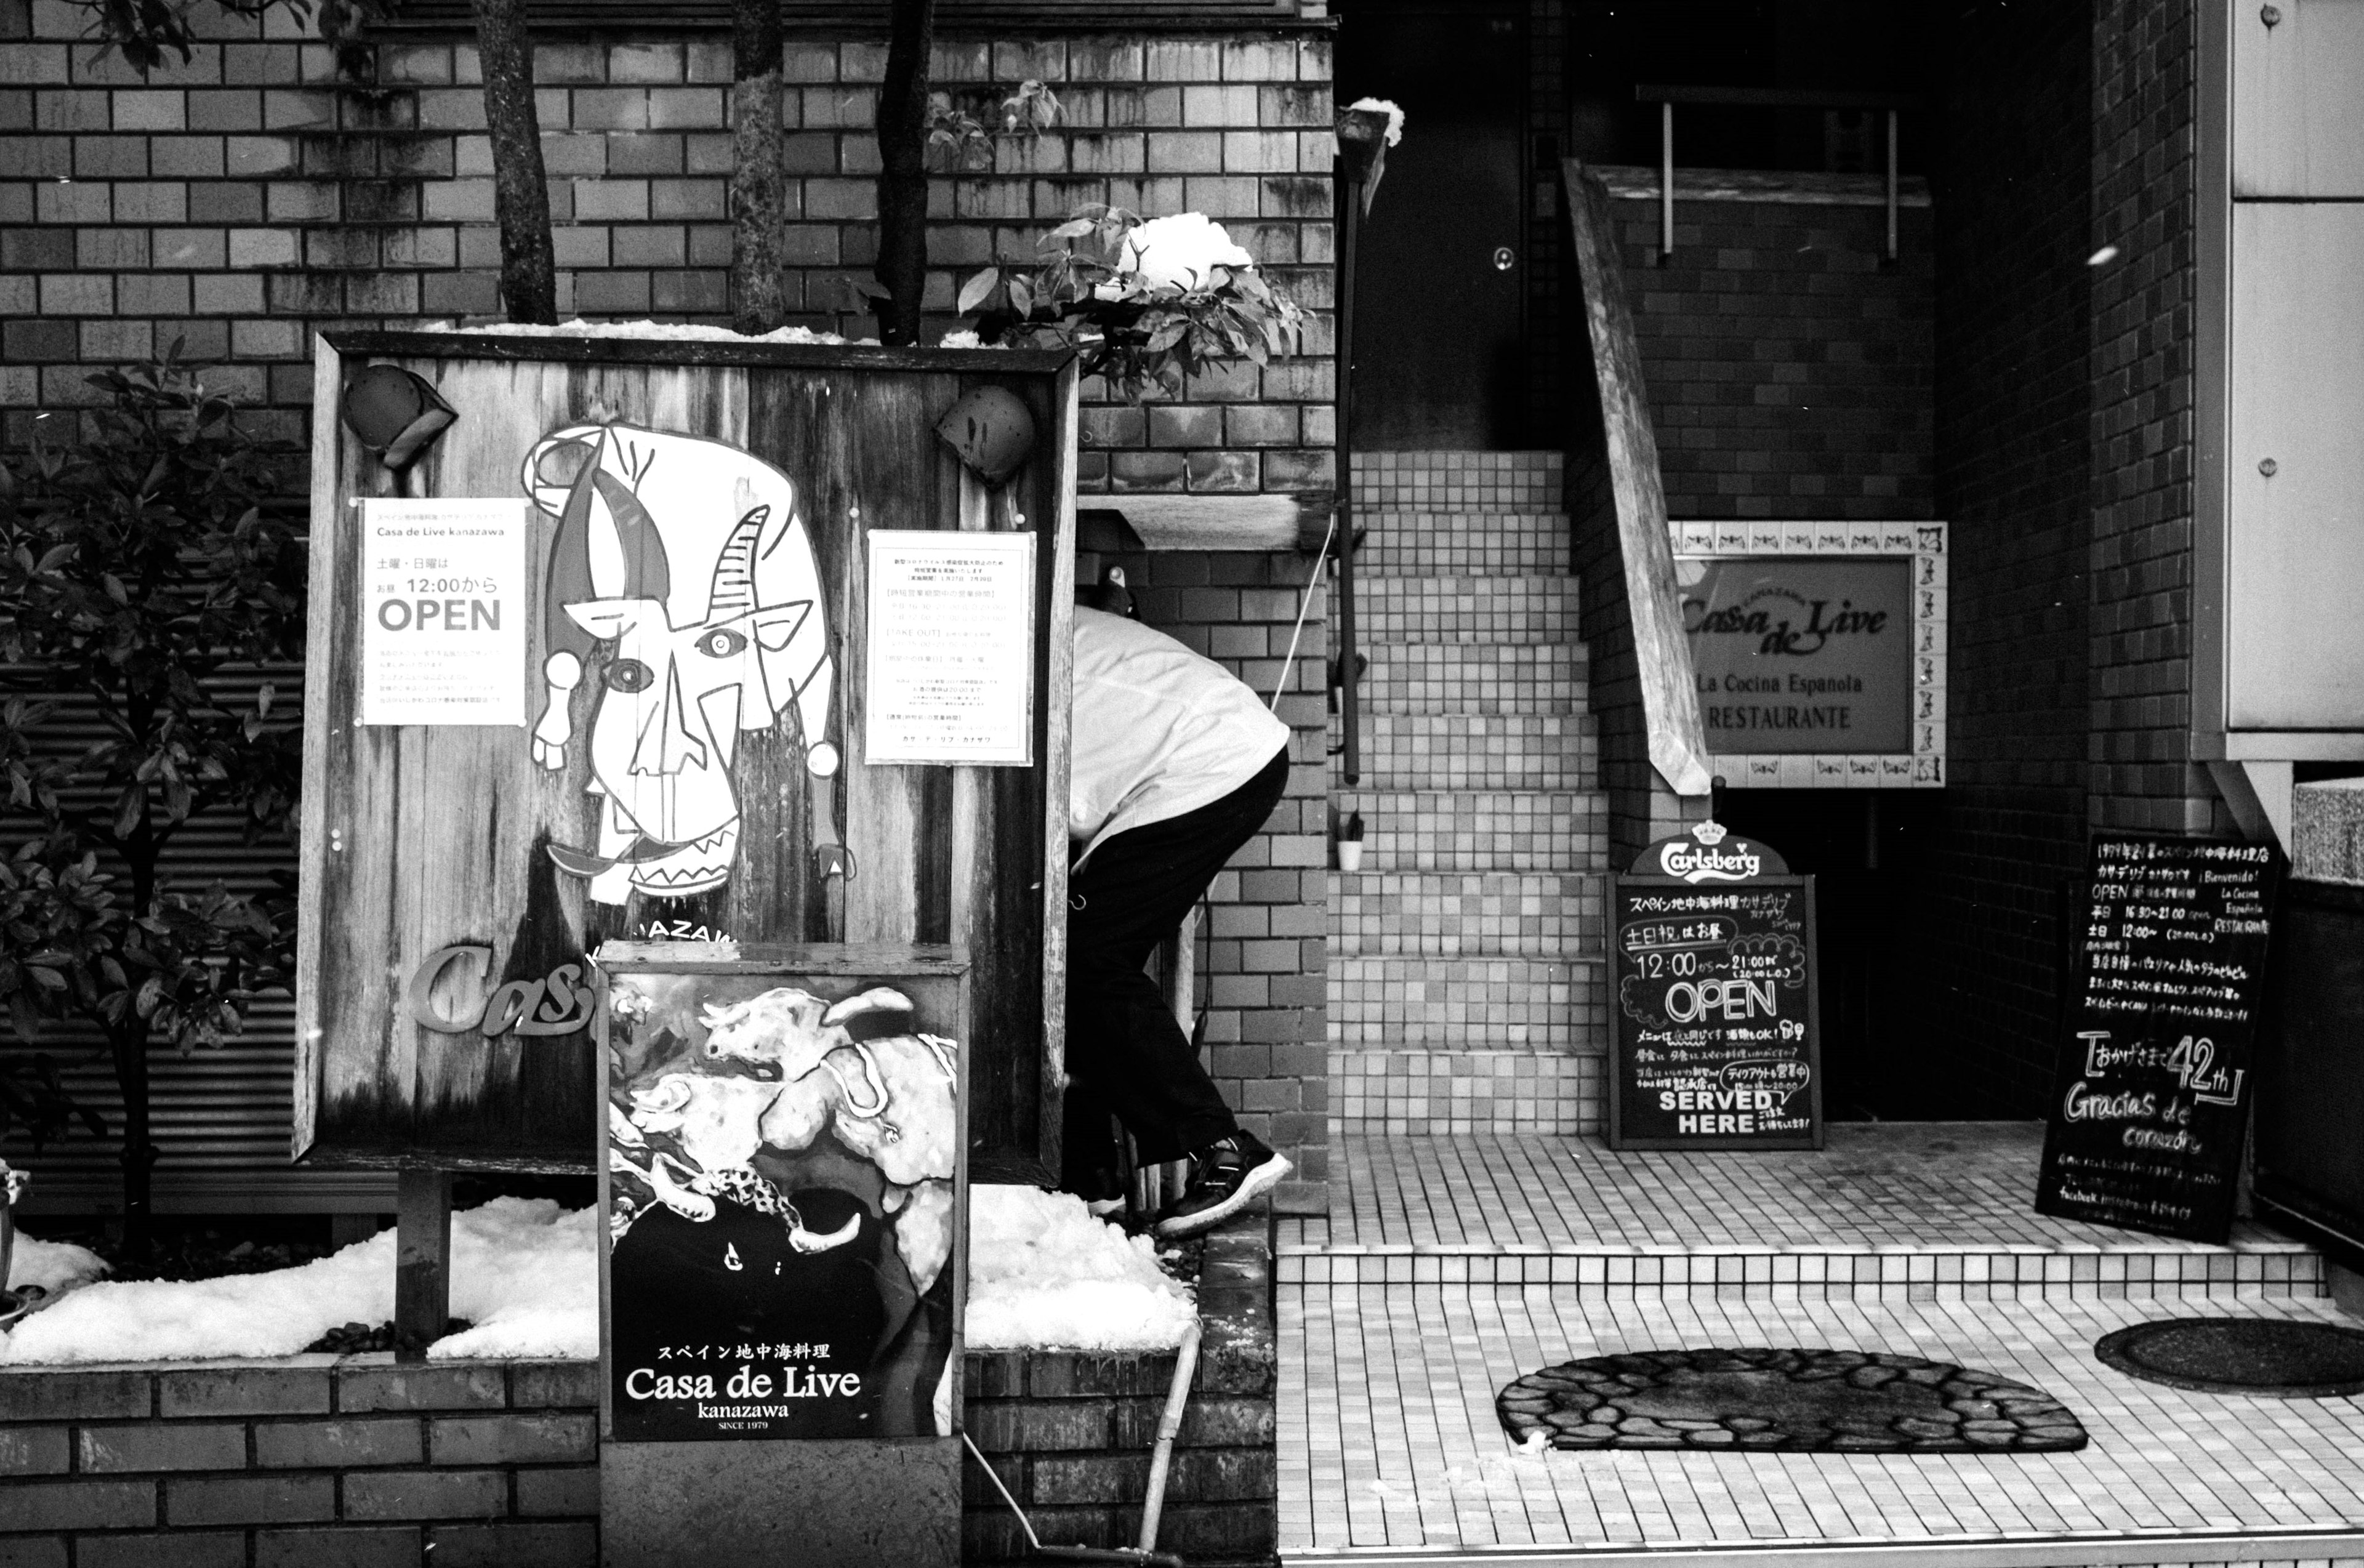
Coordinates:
<point>1440,350</point>
<point>1866,851</point>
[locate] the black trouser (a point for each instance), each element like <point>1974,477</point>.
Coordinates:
<point>1125,1053</point>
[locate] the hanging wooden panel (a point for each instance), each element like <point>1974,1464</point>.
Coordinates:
<point>690,763</point>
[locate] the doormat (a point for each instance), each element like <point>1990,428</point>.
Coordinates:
<point>1783,1402</point>
<point>2240,1355</point>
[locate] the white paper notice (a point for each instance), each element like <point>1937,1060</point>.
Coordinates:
<point>951,665</point>
<point>443,612</point>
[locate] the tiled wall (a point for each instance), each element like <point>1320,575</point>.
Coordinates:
<point>247,197</point>
<point>1788,364</point>
<point>2144,105</point>
<point>2013,464</point>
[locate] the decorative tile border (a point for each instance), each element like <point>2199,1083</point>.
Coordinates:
<point>1777,1273</point>
<point>1924,544</point>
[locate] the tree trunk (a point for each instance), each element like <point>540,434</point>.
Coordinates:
<point>759,300</point>
<point>903,170</point>
<point>128,1046</point>
<point>520,188</point>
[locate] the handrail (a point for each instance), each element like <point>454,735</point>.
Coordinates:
<point>1636,553</point>
<point>1666,97</point>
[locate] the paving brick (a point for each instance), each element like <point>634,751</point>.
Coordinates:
<point>338,1444</point>
<point>550,1545</point>
<point>29,1395</point>
<point>537,1439</point>
<point>33,1451</point>
<point>250,1499</point>
<point>474,1387</point>
<point>162,1445</point>
<point>78,1505</point>
<point>566,1490</point>
<point>350,1546</point>
<point>32,1551</point>
<point>426,1494</point>
<point>176,1549</point>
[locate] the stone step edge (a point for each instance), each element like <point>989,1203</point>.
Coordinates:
<point>2168,1548</point>
<point>2255,1247</point>
<point>1580,960</point>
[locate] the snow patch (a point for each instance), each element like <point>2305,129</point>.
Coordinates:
<point>522,1270</point>
<point>52,1265</point>
<point>1043,1273</point>
<point>1383,106</point>
<point>673,331</point>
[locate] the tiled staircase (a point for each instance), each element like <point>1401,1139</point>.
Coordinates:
<point>1466,952</point>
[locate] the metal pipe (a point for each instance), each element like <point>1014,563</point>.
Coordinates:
<point>1892,184</point>
<point>1666,181</point>
<point>1350,226</point>
<point>1169,1425</point>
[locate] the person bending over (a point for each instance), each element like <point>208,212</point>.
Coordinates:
<point>1175,765</point>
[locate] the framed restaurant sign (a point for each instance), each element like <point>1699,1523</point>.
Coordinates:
<point>1819,651</point>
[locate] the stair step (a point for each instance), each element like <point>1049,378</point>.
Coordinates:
<point>1459,750</point>
<point>1478,829</point>
<point>1449,913</point>
<point>1402,1090</point>
<point>1498,544</point>
<point>1459,482</point>
<point>1481,1001</point>
<point>1475,677</point>
<point>1425,610</point>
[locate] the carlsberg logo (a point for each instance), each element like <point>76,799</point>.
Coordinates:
<point>1709,863</point>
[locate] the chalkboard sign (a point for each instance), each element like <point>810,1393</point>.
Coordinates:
<point>2151,1099</point>
<point>1718,1044</point>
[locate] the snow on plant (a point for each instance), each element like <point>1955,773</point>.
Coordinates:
<point>1147,303</point>
<point>1382,106</point>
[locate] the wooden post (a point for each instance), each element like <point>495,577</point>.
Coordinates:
<point>422,1270</point>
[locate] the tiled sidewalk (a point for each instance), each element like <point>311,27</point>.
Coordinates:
<point>1448,1266</point>
<point>1389,1438</point>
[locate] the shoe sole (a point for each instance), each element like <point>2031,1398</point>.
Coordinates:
<point>1253,1185</point>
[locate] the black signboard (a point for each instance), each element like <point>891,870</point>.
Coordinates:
<point>1718,1037</point>
<point>2151,1099</point>
<point>783,1186</point>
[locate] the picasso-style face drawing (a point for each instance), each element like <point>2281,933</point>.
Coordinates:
<point>688,558</point>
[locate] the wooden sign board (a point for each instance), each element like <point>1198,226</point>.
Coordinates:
<point>2150,1103</point>
<point>1718,1036</point>
<point>785,1260</point>
<point>651,729</point>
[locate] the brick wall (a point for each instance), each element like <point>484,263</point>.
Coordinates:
<point>2144,104</point>
<point>2012,465</point>
<point>358,1463</point>
<point>1788,365</point>
<point>1263,946</point>
<point>300,1463</point>
<point>253,196</point>
<point>1070,1434</point>
<point>245,199</point>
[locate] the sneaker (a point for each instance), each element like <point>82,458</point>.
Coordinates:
<point>1225,1177</point>
<point>1103,1194</point>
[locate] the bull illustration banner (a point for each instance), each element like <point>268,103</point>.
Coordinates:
<point>782,1184</point>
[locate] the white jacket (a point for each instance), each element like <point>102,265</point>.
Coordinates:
<point>1158,730</point>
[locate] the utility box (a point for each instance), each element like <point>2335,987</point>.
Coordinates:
<point>602,650</point>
